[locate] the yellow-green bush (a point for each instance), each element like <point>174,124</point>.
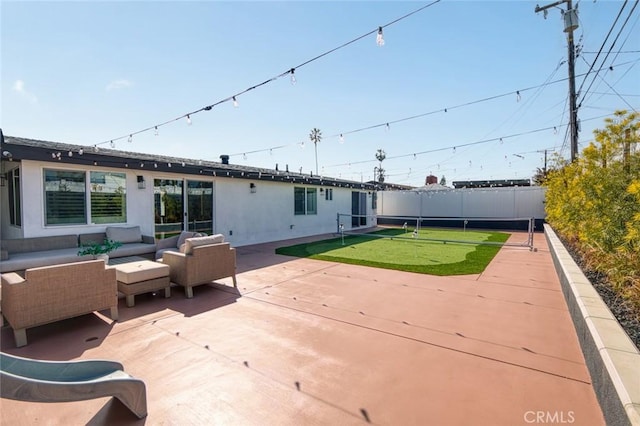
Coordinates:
<point>594,203</point>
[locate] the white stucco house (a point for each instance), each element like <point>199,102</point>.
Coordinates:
<point>51,188</point>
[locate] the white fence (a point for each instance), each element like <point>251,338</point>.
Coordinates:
<point>498,203</point>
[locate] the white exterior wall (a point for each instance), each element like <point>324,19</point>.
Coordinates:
<point>512,202</point>
<point>243,217</point>
<point>268,214</point>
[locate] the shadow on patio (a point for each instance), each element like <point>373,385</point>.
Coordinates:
<point>312,342</point>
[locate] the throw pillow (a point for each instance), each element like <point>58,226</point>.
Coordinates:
<point>125,235</point>
<point>183,236</point>
<point>190,243</point>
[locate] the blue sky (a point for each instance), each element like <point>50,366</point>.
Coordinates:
<point>89,72</point>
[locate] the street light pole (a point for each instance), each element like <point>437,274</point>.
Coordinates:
<point>570,24</point>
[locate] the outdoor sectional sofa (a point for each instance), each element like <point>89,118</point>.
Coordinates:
<point>24,253</point>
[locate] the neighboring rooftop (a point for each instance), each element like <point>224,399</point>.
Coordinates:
<point>491,183</point>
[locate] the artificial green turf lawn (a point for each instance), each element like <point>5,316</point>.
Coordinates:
<point>402,251</point>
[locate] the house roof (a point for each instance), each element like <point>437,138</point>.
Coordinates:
<point>491,183</point>
<point>63,153</point>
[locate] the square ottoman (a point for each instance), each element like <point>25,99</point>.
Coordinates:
<point>142,277</point>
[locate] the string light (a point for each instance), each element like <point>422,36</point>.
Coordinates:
<point>189,119</point>
<point>290,71</point>
<point>518,97</point>
<point>80,151</point>
<point>113,145</point>
<point>341,138</point>
<point>70,153</point>
<point>235,102</point>
<point>130,138</point>
<point>380,37</point>
<point>156,131</point>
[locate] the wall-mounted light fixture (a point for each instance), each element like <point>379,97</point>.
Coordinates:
<point>141,183</point>
<point>252,187</point>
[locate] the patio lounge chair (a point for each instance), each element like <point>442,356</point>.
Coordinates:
<point>53,293</point>
<point>24,379</point>
<point>204,259</point>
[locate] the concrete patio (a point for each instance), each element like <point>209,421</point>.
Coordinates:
<point>308,342</point>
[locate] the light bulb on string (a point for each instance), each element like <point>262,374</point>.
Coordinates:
<point>293,76</point>
<point>501,142</point>
<point>130,138</point>
<point>341,138</point>
<point>80,151</point>
<point>235,102</point>
<point>380,37</point>
<point>555,130</point>
<point>518,97</point>
<point>155,132</point>
<point>189,119</point>
<point>113,145</point>
<point>387,128</point>
<point>454,149</point>
<point>244,156</point>
<point>155,165</point>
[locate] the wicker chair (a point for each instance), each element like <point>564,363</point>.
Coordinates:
<point>53,293</point>
<point>203,261</point>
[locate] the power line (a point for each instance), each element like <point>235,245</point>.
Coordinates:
<point>412,117</point>
<point>462,145</point>
<point>603,44</point>
<point>610,49</point>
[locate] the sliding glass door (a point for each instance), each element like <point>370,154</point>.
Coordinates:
<point>200,206</point>
<point>178,210</point>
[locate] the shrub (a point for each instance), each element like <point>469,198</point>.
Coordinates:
<point>594,203</point>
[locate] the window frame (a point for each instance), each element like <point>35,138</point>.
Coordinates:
<point>50,174</point>
<point>305,201</point>
<point>15,198</point>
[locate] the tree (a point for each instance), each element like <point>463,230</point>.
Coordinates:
<point>443,181</point>
<point>316,137</point>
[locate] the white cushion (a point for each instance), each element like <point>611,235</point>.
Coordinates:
<point>190,243</point>
<point>131,234</point>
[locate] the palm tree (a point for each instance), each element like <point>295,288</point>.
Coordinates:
<point>315,136</point>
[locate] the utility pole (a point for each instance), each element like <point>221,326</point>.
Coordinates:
<point>570,24</point>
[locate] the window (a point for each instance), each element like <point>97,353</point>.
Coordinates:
<point>64,197</point>
<point>66,201</point>
<point>108,197</point>
<point>374,200</point>
<point>15,212</point>
<point>305,201</point>
<point>328,194</point>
